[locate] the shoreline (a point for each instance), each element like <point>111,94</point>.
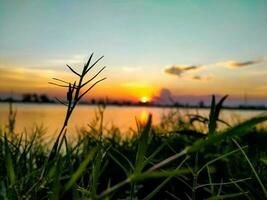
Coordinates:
<point>248,108</point>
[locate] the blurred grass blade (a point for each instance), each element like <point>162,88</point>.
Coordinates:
<point>55,148</point>
<point>175,197</point>
<point>198,118</point>
<point>3,191</point>
<point>126,170</point>
<point>76,175</point>
<point>9,163</point>
<point>96,171</point>
<point>241,189</point>
<point>211,115</point>
<point>125,158</point>
<point>229,196</point>
<point>214,113</point>
<point>264,160</point>
<point>55,175</point>
<point>156,152</point>
<point>239,130</point>
<point>210,180</point>
<point>253,169</point>
<point>142,146</point>
<point>219,158</point>
<point>158,188</point>
<point>158,174</point>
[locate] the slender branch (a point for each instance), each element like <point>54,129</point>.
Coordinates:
<point>88,63</point>
<point>168,160</point>
<point>61,101</point>
<point>90,88</point>
<point>73,71</point>
<point>94,64</point>
<point>73,94</point>
<point>57,79</point>
<point>58,84</point>
<point>93,77</point>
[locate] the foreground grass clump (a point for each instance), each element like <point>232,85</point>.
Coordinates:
<point>152,165</point>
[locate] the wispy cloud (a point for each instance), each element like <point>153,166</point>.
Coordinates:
<point>178,70</point>
<point>237,64</point>
<point>202,78</point>
<point>181,71</point>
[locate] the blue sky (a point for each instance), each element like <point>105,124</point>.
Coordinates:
<point>140,40</point>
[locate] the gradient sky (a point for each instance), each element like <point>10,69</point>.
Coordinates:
<point>189,48</point>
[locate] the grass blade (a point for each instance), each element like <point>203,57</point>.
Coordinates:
<point>239,130</point>
<point>158,174</point>
<point>252,168</point>
<point>228,196</point>
<point>214,113</point>
<point>264,160</point>
<point>126,171</point>
<point>9,163</point>
<point>142,146</point>
<point>76,175</point>
<point>158,188</point>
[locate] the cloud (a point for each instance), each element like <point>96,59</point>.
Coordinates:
<point>197,77</point>
<point>165,97</point>
<point>202,78</point>
<point>236,64</point>
<point>178,70</point>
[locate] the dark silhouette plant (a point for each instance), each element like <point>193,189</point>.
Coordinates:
<point>75,93</point>
<point>11,119</point>
<point>73,97</point>
<point>213,118</point>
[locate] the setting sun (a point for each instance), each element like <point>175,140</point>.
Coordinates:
<point>144,99</point>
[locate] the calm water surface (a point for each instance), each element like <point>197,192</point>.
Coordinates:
<point>51,116</point>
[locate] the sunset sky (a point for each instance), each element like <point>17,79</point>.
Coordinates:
<point>187,49</point>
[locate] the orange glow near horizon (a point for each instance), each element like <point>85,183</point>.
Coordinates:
<point>18,80</point>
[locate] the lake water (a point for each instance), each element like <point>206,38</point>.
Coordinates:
<point>51,116</point>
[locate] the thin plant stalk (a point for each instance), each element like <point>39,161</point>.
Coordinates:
<point>74,94</point>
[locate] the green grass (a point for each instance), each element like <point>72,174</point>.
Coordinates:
<point>153,165</point>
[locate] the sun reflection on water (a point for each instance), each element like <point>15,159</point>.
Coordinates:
<point>143,117</point>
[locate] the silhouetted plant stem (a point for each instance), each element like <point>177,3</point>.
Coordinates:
<point>11,119</point>
<point>73,94</point>
<point>73,97</point>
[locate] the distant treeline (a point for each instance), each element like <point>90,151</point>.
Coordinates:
<point>30,98</point>
<point>43,98</point>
